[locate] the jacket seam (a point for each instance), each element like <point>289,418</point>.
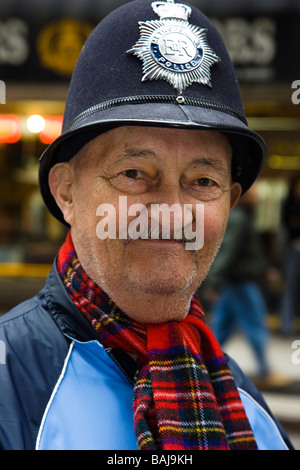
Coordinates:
<point>5,320</point>
<point>55,390</point>
<point>266,414</point>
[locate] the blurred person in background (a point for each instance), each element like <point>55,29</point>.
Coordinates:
<point>291,223</point>
<point>234,286</point>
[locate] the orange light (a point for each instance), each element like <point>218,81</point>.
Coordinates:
<point>10,128</point>
<point>52,129</point>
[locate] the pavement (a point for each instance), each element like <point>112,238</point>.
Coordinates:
<point>282,391</point>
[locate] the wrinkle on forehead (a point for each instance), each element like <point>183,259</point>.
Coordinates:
<point>136,142</point>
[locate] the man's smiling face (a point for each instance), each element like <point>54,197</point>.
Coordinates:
<point>148,166</point>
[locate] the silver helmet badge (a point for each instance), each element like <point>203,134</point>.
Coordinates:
<point>174,50</point>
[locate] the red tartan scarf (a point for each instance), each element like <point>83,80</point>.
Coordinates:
<point>185,397</point>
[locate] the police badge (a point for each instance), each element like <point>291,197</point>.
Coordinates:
<point>174,50</point>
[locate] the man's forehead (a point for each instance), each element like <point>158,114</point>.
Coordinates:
<point>136,143</point>
<point>140,140</point>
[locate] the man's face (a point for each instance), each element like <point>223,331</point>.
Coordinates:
<point>150,166</point>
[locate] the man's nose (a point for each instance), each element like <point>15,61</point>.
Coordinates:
<point>169,191</point>
<point>170,206</point>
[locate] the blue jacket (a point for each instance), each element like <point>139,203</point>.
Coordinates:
<point>60,389</point>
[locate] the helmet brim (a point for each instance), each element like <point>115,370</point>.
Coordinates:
<point>248,147</point>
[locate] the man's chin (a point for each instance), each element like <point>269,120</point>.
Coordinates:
<point>159,284</point>
<point>169,273</point>
<point>161,289</point>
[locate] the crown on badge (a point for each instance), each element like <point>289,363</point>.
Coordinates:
<point>169,9</point>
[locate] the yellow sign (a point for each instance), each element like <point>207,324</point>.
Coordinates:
<point>60,42</point>
<point>280,162</point>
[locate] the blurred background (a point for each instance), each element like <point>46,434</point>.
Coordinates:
<point>40,41</point>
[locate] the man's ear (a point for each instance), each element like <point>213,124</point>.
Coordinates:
<point>60,183</point>
<point>235,194</point>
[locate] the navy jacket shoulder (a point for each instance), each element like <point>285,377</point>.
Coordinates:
<point>34,350</point>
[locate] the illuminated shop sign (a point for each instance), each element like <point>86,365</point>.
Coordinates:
<point>40,53</point>
<point>263,48</point>
<point>59,44</point>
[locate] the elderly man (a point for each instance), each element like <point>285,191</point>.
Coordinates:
<point>114,352</point>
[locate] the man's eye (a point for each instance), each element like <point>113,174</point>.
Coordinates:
<point>134,174</point>
<point>205,182</point>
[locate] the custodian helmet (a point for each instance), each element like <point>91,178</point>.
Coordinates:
<point>154,63</point>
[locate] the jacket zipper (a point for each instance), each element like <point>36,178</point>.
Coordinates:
<point>110,352</point>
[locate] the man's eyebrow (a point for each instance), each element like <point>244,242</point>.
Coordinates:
<point>134,152</point>
<point>214,162</point>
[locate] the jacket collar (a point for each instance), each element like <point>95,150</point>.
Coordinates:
<point>64,312</point>
<point>72,323</point>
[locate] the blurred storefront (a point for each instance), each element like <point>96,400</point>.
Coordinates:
<point>40,41</point>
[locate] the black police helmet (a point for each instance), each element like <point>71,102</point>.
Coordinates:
<point>154,63</point>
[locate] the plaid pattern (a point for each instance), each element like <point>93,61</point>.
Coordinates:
<point>185,397</point>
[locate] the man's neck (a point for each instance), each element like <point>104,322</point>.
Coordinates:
<point>146,308</point>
